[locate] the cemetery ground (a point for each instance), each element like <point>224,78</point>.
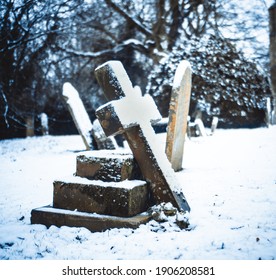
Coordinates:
<point>229,180</point>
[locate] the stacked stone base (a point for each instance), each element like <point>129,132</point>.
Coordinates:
<point>86,200</point>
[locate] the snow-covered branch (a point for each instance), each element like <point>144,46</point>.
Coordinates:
<point>135,44</point>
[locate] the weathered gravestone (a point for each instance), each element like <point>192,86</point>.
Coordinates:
<point>178,113</point>
<point>131,114</point>
<point>92,135</point>
<point>201,128</point>
<point>196,128</point>
<point>78,113</point>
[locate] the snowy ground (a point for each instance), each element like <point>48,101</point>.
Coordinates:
<point>229,180</point>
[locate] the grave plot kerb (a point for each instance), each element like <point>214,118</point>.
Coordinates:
<point>131,114</point>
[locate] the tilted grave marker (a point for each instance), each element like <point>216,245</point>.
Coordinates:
<point>83,124</point>
<point>201,128</point>
<point>178,114</point>
<point>78,113</point>
<point>131,114</point>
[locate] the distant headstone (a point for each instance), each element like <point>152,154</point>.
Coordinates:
<point>131,114</point>
<point>44,124</point>
<point>178,113</point>
<point>78,113</point>
<point>200,127</point>
<point>196,128</point>
<point>214,125</point>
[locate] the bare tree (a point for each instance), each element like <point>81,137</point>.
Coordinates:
<point>28,33</point>
<point>272,21</point>
<point>46,43</point>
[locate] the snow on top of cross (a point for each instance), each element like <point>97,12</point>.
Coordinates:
<point>135,109</point>
<point>119,76</point>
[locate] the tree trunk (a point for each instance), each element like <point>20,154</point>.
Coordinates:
<point>30,126</point>
<point>272,50</point>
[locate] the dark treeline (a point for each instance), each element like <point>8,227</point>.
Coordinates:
<point>46,43</point>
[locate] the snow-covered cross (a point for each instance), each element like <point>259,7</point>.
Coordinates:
<point>132,114</point>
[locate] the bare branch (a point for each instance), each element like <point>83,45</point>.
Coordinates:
<point>135,22</point>
<point>6,109</point>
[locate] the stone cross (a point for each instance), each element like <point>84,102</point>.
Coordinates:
<point>178,113</point>
<point>132,114</point>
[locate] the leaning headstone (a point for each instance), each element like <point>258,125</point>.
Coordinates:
<point>178,113</point>
<point>131,114</point>
<point>78,113</point>
<point>201,128</point>
<point>92,134</point>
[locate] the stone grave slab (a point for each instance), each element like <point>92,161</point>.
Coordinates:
<point>49,216</point>
<point>131,114</point>
<point>178,114</point>
<point>125,199</point>
<point>107,165</point>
